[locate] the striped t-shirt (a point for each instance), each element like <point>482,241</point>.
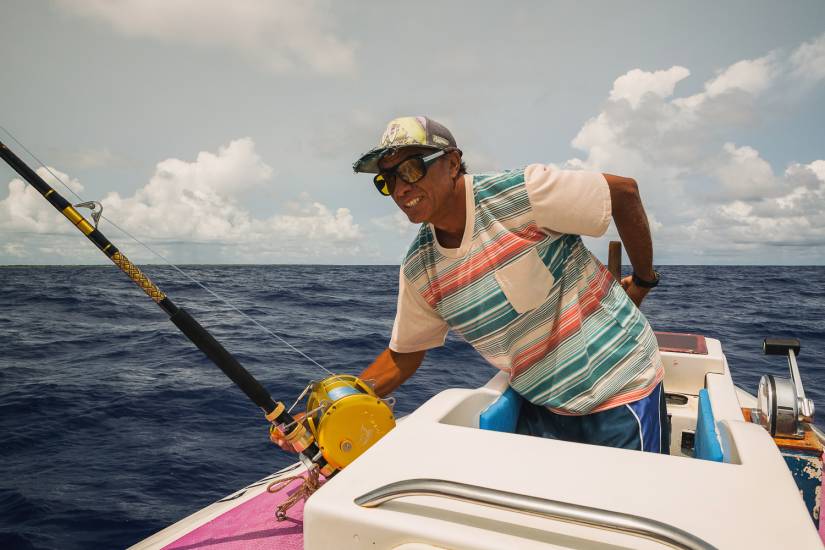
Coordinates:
<point>527,294</point>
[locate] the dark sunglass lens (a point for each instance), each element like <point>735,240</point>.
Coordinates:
<point>411,170</point>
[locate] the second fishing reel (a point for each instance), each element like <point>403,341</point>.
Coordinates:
<point>344,416</point>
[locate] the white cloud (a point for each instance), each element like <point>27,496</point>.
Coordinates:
<point>795,218</point>
<point>397,223</point>
<point>707,192</point>
<point>809,59</point>
<point>25,210</point>
<point>818,168</point>
<point>194,200</point>
<point>655,224</point>
<point>744,175</point>
<point>280,35</point>
<point>752,76</point>
<point>635,84</point>
<point>309,221</point>
<point>198,202</point>
<point>643,131</point>
<point>16,250</point>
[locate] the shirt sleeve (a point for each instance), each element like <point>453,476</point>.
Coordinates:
<point>417,325</point>
<point>575,202</point>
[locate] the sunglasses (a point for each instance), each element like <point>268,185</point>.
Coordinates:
<point>410,170</point>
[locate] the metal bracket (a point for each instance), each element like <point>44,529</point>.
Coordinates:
<point>805,405</point>
<point>95,206</point>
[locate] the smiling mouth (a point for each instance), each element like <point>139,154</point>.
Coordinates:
<point>412,202</point>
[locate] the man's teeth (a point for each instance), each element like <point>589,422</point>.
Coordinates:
<point>413,202</point>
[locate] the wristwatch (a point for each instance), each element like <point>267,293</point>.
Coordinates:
<point>646,284</point>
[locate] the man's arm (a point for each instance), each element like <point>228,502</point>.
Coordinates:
<point>391,369</point>
<point>631,223</point>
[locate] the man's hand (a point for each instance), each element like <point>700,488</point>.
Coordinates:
<point>279,439</point>
<point>636,293</point>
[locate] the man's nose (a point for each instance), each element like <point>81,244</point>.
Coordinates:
<point>401,187</point>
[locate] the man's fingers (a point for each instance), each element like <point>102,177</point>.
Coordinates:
<point>278,437</point>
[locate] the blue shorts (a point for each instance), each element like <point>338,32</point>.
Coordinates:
<point>642,425</point>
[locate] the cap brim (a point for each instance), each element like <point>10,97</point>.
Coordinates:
<point>368,163</point>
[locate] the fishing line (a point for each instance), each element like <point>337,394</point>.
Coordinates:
<point>179,270</point>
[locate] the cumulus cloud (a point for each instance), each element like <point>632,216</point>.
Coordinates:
<point>15,250</point>
<point>641,128</point>
<point>280,35</point>
<point>704,188</point>
<point>752,76</point>
<point>25,210</point>
<point>744,175</point>
<point>396,223</point>
<point>795,218</point>
<point>194,200</point>
<point>310,221</point>
<point>635,84</point>
<point>199,202</point>
<point>809,59</point>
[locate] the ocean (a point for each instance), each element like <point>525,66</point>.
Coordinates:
<point>113,425</point>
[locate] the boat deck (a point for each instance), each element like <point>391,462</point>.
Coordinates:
<point>748,500</point>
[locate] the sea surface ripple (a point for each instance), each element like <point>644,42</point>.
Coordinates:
<point>113,425</point>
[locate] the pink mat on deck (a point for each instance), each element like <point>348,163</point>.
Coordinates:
<point>251,526</point>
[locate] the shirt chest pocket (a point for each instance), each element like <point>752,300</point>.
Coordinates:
<point>526,282</point>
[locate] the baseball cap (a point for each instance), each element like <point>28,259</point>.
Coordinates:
<point>407,131</point>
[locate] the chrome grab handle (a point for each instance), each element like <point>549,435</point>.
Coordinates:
<point>554,509</point>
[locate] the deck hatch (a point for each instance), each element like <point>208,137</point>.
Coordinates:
<point>682,343</point>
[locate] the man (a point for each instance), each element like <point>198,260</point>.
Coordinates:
<point>499,259</point>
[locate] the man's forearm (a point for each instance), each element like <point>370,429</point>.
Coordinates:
<point>632,225</point>
<point>391,369</point>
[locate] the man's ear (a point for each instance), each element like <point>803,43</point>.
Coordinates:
<point>455,164</point>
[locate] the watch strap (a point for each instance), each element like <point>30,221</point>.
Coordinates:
<point>638,281</point>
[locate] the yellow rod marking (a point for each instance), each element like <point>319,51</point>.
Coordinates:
<point>85,227</point>
<point>73,215</point>
<point>78,220</point>
<point>105,248</point>
<point>49,192</point>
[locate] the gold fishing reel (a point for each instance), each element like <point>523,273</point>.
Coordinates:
<point>344,417</point>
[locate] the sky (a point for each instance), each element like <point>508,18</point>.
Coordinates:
<point>225,132</point>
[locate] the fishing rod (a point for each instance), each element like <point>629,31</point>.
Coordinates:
<point>338,406</point>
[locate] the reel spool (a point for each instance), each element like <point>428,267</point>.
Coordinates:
<point>782,406</point>
<point>778,406</point>
<point>346,417</point>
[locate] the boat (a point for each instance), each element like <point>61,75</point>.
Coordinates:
<point>453,475</point>
<point>743,471</point>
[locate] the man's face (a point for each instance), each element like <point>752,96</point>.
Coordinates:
<point>428,199</point>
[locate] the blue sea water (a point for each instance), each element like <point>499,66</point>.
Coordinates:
<point>113,425</point>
